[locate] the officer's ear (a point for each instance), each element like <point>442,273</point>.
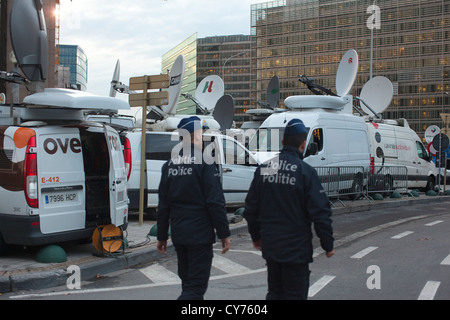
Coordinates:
<point>282,142</point>
<point>302,147</point>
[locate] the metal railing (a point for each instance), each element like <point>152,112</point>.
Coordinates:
<point>354,182</point>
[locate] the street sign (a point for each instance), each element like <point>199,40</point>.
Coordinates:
<point>144,99</point>
<point>146,83</point>
<point>441,142</point>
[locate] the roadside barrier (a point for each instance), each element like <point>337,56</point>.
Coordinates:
<point>359,182</point>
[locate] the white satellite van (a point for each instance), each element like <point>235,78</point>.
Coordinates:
<point>334,141</point>
<point>237,164</point>
<point>60,176</point>
<point>394,143</point>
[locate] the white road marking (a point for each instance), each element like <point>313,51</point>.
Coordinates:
<point>364,252</point>
<point>402,235</point>
<point>446,261</point>
<point>429,291</point>
<point>434,223</point>
<point>159,274</point>
<point>319,285</point>
<point>228,266</point>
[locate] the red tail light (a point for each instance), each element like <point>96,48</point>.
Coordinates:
<point>30,182</point>
<point>127,157</point>
<point>372,165</point>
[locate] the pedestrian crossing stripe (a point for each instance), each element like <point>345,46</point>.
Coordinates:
<point>158,274</point>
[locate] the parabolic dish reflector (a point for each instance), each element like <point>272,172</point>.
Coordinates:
<point>176,81</point>
<point>115,80</point>
<point>209,91</point>
<point>346,74</point>
<point>377,93</point>
<point>224,112</point>
<point>29,38</point>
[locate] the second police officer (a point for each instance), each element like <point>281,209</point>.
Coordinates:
<point>285,198</point>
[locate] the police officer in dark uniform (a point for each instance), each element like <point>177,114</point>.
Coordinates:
<point>191,200</point>
<point>284,200</point>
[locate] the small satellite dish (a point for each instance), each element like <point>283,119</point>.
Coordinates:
<point>224,112</point>
<point>209,91</point>
<point>115,80</point>
<point>273,92</point>
<point>176,81</point>
<point>29,38</point>
<point>346,74</point>
<point>376,94</point>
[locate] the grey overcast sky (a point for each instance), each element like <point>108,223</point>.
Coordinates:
<point>139,32</point>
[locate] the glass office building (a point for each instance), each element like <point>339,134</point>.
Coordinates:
<point>229,57</point>
<point>309,37</point>
<point>187,48</point>
<point>73,56</point>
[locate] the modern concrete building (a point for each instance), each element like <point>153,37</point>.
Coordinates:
<point>309,37</point>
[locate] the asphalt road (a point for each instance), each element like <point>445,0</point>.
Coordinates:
<point>389,254</point>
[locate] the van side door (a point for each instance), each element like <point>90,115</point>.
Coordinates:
<point>238,169</point>
<point>117,178</point>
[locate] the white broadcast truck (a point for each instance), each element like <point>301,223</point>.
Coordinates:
<point>60,176</point>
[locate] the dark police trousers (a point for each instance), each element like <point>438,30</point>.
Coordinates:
<point>194,269</point>
<point>287,281</point>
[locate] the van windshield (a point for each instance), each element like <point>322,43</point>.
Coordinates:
<point>267,140</point>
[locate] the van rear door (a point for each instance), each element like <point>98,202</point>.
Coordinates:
<point>61,179</point>
<point>117,178</point>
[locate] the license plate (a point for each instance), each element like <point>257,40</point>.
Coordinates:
<point>61,198</point>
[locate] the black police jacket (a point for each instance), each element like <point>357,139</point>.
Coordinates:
<point>191,201</point>
<point>284,200</point>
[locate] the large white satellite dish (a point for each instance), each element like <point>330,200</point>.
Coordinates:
<point>176,81</point>
<point>346,74</point>
<point>377,95</point>
<point>209,91</point>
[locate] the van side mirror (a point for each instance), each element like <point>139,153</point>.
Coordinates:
<point>312,150</point>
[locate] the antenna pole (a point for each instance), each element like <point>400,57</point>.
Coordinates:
<point>371,44</point>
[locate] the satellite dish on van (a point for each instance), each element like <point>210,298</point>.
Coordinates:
<point>29,38</point>
<point>377,95</point>
<point>273,92</point>
<point>115,80</point>
<point>176,81</point>
<point>224,112</point>
<point>209,91</point>
<point>346,74</point>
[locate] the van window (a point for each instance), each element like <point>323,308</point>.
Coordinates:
<point>5,157</point>
<point>421,151</point>
<point>317,138</point>
<point>159,146</point>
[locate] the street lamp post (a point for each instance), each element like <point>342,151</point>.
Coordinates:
<point>234,56</point>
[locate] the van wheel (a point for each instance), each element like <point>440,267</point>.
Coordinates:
<point>430,184</point>
<point>357,188</point>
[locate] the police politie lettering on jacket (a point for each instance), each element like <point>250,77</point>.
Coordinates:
<point>279,172</point>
